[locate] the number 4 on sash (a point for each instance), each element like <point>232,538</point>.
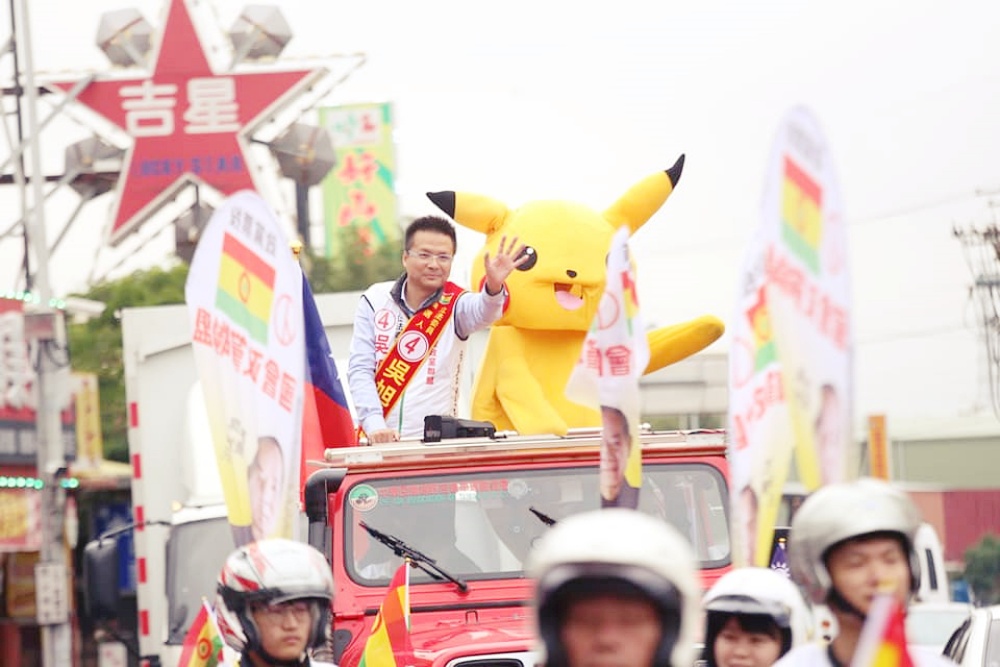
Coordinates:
<point>411,345</point>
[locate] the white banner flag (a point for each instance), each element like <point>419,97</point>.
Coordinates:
<point>614,355</point>
<point>791,363</point>
<point>244,295</point>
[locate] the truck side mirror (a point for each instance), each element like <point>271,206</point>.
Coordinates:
<point>100,579</point>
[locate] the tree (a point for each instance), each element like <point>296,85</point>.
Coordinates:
<point>982,569</point>
<point>96,345</point>
<point>355,267</point>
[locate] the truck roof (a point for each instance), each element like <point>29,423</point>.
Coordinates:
<point>510,446</point>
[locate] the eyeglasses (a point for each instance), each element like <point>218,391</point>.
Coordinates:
<point>426,257</point>
<point>275,613</point>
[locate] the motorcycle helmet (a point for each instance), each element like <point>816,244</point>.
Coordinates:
<point>272,571</point>
<point>620,551</point>
<point>757,591</point>
<point>839,512</point>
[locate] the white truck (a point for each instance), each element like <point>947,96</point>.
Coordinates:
<point>181,531</point>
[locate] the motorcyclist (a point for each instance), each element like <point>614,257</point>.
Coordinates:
<point>848,543</point>
<point>273,603</point>
<point>615,586</point>
<point>754,615</point>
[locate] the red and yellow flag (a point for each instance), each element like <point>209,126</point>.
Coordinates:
<point>883,638</point>
<point>246,287</point>
<point>202,644</point>
<point>760,327</point>
<point>801,214</point>
<point>389,644</point>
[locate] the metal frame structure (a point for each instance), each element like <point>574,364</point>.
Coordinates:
<point>339,67</point>
<point>981,248</point>
<point>24,158</point>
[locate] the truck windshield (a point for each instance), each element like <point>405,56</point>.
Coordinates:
<point>481,525</point>
<point>195,554</point>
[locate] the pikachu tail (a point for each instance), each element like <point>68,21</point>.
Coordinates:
<point>668,345</point>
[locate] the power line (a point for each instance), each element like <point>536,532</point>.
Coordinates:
<point>912,334</point>
<point>923,206</point>
<point>746,236</point>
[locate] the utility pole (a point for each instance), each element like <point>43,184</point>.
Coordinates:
<point>19,167</point>
<point>44,327</point>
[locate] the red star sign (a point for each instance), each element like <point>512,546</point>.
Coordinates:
<point>187,122</point>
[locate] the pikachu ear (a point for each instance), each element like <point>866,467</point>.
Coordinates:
<point>644,198</point>
<point>479,212</point>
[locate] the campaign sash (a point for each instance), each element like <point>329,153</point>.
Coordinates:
<point>412,347</point>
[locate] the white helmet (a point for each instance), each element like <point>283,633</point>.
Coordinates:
<point>839,512</point>
<point>757,591</point>
<point>621,547</point>
<point>271,571</point>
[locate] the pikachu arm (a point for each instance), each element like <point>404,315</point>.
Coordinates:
<point>668,345</point>
<point>524,400</point>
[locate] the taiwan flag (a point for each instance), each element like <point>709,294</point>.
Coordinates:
<point>326,417</point>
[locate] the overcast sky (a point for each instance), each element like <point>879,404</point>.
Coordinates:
<point>557,99</point>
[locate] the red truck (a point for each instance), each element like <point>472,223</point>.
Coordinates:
<point>467,511</point>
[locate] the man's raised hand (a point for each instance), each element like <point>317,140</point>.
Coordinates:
<point>498,267</point>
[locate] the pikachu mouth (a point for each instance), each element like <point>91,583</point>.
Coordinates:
<point>569,296</point>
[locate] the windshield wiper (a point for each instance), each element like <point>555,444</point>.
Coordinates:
<point>180,617</point>
<point>543,517</point>
<point>419,560</point>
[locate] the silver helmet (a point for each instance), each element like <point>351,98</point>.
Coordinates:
<point>272,571</point>
<point>757,591</point>
<point>839,512</point>
<point>592,550</point>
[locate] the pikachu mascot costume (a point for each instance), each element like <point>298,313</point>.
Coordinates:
<point>553,298</point>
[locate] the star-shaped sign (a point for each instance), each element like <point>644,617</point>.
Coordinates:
<point>188,123</point>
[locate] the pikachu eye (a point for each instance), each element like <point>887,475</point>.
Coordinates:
<point>531,261</point>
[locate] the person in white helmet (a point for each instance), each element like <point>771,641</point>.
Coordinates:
<point>273,603</point>
<point>615,587</point>
<point>847,543</point>
<point>754,615</point>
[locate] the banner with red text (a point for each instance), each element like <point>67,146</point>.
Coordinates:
<point>613,358</point>
<point>790,385</point>
<point>359,195</point>
<point>244,296</point>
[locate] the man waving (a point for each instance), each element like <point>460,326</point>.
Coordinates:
<point>409,334</point>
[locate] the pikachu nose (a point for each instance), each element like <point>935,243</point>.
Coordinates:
<point>571,273</point>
